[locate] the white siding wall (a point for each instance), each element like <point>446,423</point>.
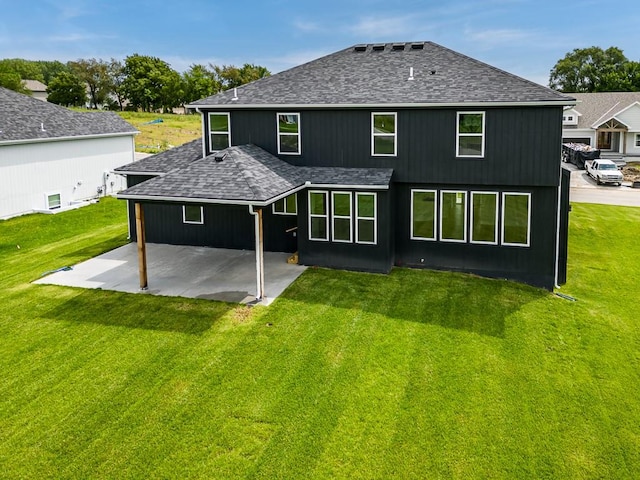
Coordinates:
<point>575,133</point>
<point>631,143</point>
<point>631,117</point>
<point>73,168</point>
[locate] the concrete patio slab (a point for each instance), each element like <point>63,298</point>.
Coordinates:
<point>183,271</point>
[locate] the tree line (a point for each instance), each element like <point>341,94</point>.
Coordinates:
<point>140,82</point>
<point>595,70</point>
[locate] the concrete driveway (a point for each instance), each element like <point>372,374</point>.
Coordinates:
<point>183,271</point>
<point>585,190</point>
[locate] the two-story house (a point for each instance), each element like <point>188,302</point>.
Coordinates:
<point>378,155</point>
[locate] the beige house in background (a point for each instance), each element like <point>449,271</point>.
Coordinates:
<point>609,121</point>
<point>38,89</point>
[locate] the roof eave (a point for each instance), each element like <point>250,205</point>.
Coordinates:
<point>233,106</point>
<point>71,137</point>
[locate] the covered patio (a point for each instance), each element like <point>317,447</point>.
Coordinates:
<point>183,271</point>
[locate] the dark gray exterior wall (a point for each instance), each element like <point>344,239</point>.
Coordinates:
<point>522,144</point>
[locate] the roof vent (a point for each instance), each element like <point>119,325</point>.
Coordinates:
<point>410,73</point>
<point>417,46</point>
<point>360,48</point>
<point>378,47</point>
<point>235,94</point>
<point>219,156</point>
<point>433,72</point>
<point>398,46</point>
<point>42,127</point>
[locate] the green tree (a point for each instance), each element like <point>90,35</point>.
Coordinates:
<point>66,89</point>
<point>199,82</point>
<point>50,69</point>
<point>151,84</point>
<point>28,70</point>
<point>588,70</point>
<point>95,73</point>
<point>12,81</point>
<point>230,76</point>
<point>117,77</point>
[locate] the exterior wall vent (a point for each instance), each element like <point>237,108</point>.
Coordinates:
<point>378,47</point>
<point>360,48</point>
<point>398,46</point>
<point>417,46</point>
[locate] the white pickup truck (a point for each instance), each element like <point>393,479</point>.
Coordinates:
<point>604,171</point>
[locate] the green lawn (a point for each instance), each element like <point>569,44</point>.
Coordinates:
<point>416,374</point>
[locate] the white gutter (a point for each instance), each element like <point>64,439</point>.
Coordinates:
<point>62,139</point>
<point>124,174</point>
<point>387,105</point>
<point>352,187</point>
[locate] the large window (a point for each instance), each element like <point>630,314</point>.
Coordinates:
<point>484,217</point>
<point>366,218</point>
<point>470,134</point>
<point>341,215</point>
<point>286,206</point>
<point>383,134</point>
<point>289,133</point>
<point>423,214</point>
<point>193,214</point>
<point>453,216</point>
<point>54,201</point>
<point>318,216</point>
<point>220,131</point>
<point>516,218</point>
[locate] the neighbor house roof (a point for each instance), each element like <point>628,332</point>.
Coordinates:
<point>244,174</point>
<point>380,74</point>
<point>597,108</point>
<point>24,119</point>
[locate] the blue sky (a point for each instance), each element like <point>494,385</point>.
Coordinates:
<point>521,36</point>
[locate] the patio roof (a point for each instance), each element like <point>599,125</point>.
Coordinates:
<point>241,175</point>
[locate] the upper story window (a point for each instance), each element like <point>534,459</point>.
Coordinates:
<point>288,133</point>
<point>383,134</point>
<point>220,131</point>
<point>470,134</point>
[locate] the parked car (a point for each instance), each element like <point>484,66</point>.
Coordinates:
<point>604,171</point>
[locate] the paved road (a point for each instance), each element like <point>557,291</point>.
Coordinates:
<point>585,190</point>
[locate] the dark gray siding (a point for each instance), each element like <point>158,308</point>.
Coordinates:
<point>534,265</point>
<point>565,208</point>
<point>522,144</point>
<point>349,256</point>
<point>225,226</point>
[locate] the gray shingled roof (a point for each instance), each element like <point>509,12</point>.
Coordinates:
<point>381,77</point>
<point>178,157</point>
<point>247,174</point>
<point>601,106</point>
<point>23,118</point>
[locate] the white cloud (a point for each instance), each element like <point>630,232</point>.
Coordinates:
<point>307,27</point>
<point>383,26</point>
<point>78,37</point>
<point>284,62</point>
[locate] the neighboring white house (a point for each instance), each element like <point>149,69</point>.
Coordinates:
<point>609,121</point>
<point>37,88</point>
<point>52,158</point>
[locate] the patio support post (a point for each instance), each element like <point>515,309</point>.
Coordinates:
<point>142,246</point>
<point>257,215</point>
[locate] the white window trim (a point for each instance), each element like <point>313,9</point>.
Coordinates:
<point>374,218</point>
<point>495,233</point>
<point>458,134</point>
<point>453,240</point>
<point>637,142</point>
<point>211,132</point>
<point>504,195</point>
<point>342,217</point>
<point>435,216</point>
<point>394,135</point>
<point>184,216</point>
<point>326,216</point>
<point>295,199</point>
<point>46,200</point>
<point>299,134</point>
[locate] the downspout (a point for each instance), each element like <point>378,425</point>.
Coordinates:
<point>557,267</point>
<point>257,215</point>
